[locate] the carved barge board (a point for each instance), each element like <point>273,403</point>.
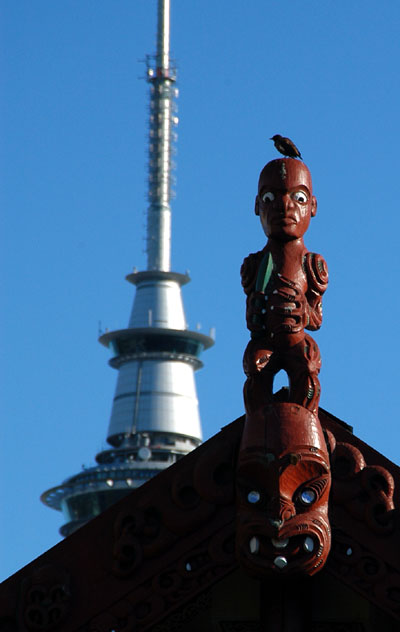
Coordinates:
<point>170,540</point>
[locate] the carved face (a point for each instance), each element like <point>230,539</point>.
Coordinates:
<point>283,483</point>
<point>285,202</point>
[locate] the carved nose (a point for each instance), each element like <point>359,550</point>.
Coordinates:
<point>286,202</point>
<point>286,511</point>
<point>283,511</point>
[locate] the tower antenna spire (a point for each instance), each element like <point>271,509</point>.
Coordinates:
<point>163,34</point>
<point>161,137</point>
<point>154,418</point>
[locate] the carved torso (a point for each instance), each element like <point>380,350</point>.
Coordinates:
<point>290,300</point>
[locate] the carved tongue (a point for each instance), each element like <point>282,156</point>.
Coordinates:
<point>280,562</point>
<point>254,545</point>
<point>280,544</point>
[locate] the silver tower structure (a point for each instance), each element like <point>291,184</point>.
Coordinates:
<point>155,417</point>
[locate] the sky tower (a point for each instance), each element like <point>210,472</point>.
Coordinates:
<point>155,417</point>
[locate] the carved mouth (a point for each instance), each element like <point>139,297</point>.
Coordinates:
<point>284,221</point>
<point>284,553</point>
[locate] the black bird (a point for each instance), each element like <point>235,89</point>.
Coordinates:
<point>286,147</point>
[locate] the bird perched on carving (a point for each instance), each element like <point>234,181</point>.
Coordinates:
<point>286,147</point>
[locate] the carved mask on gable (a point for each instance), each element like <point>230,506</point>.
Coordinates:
<point>283,483</point>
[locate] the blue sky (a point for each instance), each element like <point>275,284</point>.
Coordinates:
<point>73,200</point>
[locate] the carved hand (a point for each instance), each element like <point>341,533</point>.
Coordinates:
<point>256,357</point>
<point>290,307</point>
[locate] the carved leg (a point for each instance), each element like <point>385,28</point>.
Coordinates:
<point>260,365</point>
<point>303,363</point>
<point>257,391</point>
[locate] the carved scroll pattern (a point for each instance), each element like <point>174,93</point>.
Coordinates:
<point>149,530</point>
<point>192,499</point>
<point>365,491</point>
<point>364,571</point>
<point>176,621</point>
<point>180,583</point>
<point>45,600</point>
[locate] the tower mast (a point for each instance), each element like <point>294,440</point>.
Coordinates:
<point>162,107</point>
<point>155,418</point>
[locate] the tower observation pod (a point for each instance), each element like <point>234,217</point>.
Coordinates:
<point>155,415</point>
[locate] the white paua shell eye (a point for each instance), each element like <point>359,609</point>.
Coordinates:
<point>300,196</point>
<point>268,197</point>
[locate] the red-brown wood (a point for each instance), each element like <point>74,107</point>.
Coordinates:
<point>284,284</point>
<point>283,483</point>
<point>283,469</point>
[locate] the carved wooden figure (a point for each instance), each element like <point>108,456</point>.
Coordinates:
<point>284,284</point>
<point>283,472</point>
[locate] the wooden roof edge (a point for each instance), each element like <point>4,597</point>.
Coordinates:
<point>115,560</point>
